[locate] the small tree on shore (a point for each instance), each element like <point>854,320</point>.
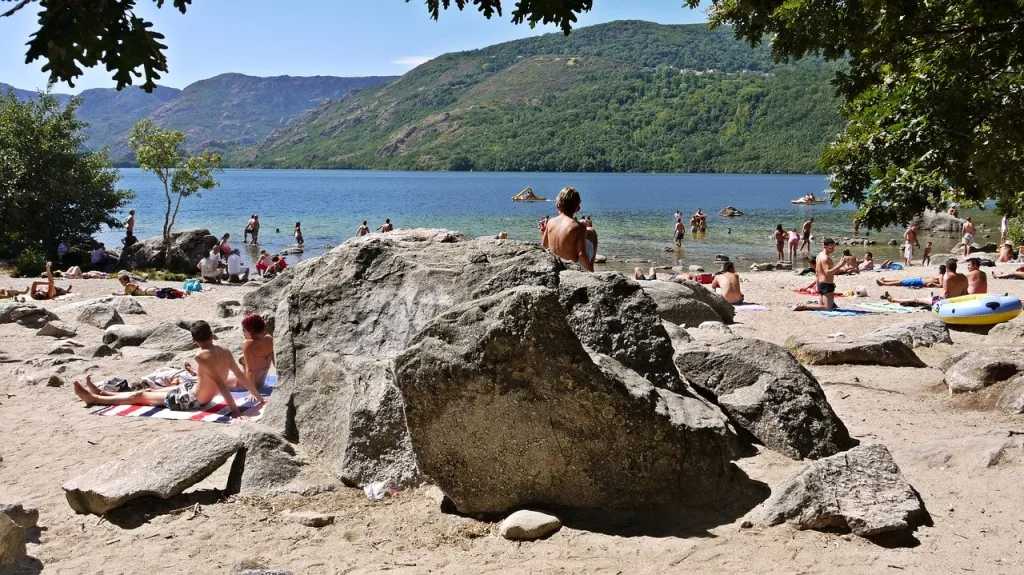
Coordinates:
<point>160,151</point>
<point>51,189</point>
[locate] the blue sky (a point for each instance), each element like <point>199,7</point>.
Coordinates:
<point>311,37</point>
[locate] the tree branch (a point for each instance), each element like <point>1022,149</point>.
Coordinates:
<point>17,7</point>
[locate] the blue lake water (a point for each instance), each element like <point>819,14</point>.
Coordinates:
<point>632,212</point>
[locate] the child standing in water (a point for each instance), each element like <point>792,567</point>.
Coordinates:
<point>298,234</point>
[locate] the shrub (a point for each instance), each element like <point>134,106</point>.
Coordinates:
<point>30,263</point>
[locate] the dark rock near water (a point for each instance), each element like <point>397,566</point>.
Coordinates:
<point>688,303</point>
<point>940,223</point>
<point>861,490</point>
<point>186,249</point>
<point>163,468</point>
<point>507,409</point>
<point>767,392</point>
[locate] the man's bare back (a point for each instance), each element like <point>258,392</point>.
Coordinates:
<point>954,285</point>
<point>563,235</point>
<point>728,284</point>
<point>213,366</point>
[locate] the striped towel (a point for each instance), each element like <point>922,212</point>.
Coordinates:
<point>842,313</point>
<point>214,412</point>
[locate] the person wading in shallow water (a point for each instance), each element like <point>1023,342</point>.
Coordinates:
<point>563,235</point>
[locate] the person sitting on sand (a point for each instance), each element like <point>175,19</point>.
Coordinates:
<point>727,284</point>
<point>214,365</point>
<point>563,235</point>
<point>824,273</point>
<point>953,285</point>
<point>47,289</point>
<point>639,275</point>
<point>257,353</point>
<point>237,273</point>
<point>1005,253</point>
<point>868,264</point>
<point>209,267</point>
<point>263,263</point>
<point>977,281</point>
<point>852,265</point>
<point>131,288</point>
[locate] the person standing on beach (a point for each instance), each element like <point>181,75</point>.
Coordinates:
<point>780,243</point>
<point>969,232</point>
<point>909,243</point>
<point>680,230</point>
<point>564,236</point>
<point>362,230</point>
<point>794,244</point>
<point>298,234</point>
<point>386,226</point>
<point>129,229</point>
<point>824,273</point>
<point>806,243</point>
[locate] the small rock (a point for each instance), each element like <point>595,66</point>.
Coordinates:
<point>118,336</point>
<point>228,307</point>
<point>309,519</point>
<point>49,378</point>
<point>527,525</point>
<point>12,541</point>
<point>101,350</point>
<point>893,242</point>
<point>600,259</point>
<point>61,348</point>
<point>101,315</point>
<point>979,369</point>
<point>26,518</point>
<point>57,328</point>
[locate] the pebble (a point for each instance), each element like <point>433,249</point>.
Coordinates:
<point>525,525</point>
<point>309,518</point>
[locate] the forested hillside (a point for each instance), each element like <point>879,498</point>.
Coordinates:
<point>624,96</point>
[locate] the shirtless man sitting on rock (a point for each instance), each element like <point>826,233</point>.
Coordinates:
<point>728,284</point>
<point>563,235</point>
<point>214,365</point>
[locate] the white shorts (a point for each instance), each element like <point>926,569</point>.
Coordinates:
<point>968,238</point>
<point>908,251</point>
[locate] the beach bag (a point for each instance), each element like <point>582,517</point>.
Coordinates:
<point>192,285</point>
<point>169,293</point>
<point>705,278</point>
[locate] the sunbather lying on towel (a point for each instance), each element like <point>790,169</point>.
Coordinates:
<point>51,290</point>
<point>214,365</point>
<point>1017,274</point>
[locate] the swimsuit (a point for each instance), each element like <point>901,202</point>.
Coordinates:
<point>825,288</point>
<point>590,250</point>
<point>912,282</point>
<point>182,397</point>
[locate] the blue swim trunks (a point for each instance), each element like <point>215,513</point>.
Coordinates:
<point>912,282</point>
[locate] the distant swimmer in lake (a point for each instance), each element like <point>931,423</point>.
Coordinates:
<point>386,226</point>
<point>563,235</point>
<point>363,229</point>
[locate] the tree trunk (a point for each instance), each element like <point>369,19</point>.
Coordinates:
<point>167,220</point>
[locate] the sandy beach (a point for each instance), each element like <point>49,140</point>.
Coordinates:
<point>955,451</point>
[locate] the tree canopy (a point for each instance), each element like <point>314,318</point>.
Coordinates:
<point>50,190</point>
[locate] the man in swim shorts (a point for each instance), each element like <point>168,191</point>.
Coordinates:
<point>214,363</point>
<point>824,273</point>
<point>953,285</point>
<point>969,232</point>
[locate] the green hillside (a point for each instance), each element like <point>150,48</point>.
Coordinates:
<point>624,96</point>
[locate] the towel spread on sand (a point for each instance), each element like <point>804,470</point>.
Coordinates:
<point>886,307</point>
<point>214,412</point>
<point>750,307</point>
<point>842,313</point>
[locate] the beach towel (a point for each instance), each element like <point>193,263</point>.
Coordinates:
<point>813,290</point>
<point>214,412</point>
<point>842,313</point>
<point>750,307</point>
<point>885,307</point>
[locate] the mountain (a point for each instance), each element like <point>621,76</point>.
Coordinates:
<point>622,96</point>
<point>25,95</point>
<point>220,113</point>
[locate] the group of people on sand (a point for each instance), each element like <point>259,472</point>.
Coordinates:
<point>216,373</point>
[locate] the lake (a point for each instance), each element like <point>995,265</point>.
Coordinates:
<point>632,212</point>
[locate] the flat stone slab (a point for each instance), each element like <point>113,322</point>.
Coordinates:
<point>919,333</point>
<point>525,525</point>
<point>163,468</point>
<point>861,490</point>
<point>309,518</point>
<point>863,351</point>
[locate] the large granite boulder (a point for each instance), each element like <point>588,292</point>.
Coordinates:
<point>917,333</point>
<point>25,314</point>
<point>1011,400</point>
<point>613,315</point>
<point>891,352</point>
<point>860,490</point>
<point>977,369</point>
<point>687,303</point>
<point>1008,331</point>
<point>768,393</point>
<point>99,314</point>
<point>507,409</point>
<point>163,468</point>
<point>340,320</point>
<point>264,461</point>
<point>169,336</point>
<point>940,223</point>
<point>186,249</point>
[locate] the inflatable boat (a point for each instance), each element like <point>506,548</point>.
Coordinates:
<point>978,309</point>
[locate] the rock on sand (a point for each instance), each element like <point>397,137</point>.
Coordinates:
<point>525,525</point>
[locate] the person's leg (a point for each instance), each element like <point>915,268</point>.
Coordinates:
<point>126,398</point>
